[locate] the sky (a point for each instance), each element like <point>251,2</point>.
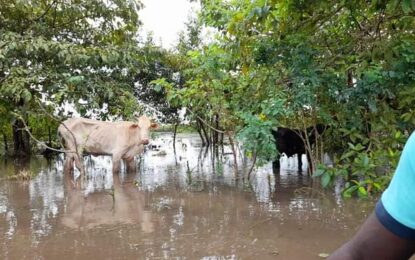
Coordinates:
<point>165,18</point>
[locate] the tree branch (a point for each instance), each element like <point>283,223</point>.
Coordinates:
<point>26,128</point>
<point>204,122</point>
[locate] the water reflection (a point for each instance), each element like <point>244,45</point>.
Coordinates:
<point>188,197</point>
<point>45,195</point>
<point>124,204</point>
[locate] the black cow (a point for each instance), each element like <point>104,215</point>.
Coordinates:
<point>291,141</point>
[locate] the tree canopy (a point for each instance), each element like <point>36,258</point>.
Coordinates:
<point>347,64</point>
<point>53,53</point>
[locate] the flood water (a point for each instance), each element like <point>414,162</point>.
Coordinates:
<point>184,205</point>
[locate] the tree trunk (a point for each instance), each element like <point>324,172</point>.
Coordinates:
<point>215,133</point>
<point>252,166</point>
<point>174,136</point>
<point>6,147</point>
<point>235,156</point>
<point>204,133</point>
<point>21,140</point>
<point>198,128</point>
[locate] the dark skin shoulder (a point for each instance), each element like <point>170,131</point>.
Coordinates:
<point>374,241</point>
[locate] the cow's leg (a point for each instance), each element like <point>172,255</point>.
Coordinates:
<point>276,164</point>
<point>77,157</point>
<point>79,164</point>
<point>300,162</point>
<point>68,164</point>
<point>116,163</point>
<point>131,166</point>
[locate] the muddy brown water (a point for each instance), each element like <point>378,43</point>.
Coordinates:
<point>183,205</point>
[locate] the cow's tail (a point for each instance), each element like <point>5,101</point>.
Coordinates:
<point>61,139</point>
<point>62,133</point>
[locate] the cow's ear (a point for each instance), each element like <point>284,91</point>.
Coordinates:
<point>134,126</point>
<point>154,126</point>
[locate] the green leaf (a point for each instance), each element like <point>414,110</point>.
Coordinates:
<point>347,155</point>
<point>377,186</point>
<point>26,95</point>
<point>75,79</point>
<point>365,160</point>
<point>398,134</point>
<point>157,88</point>
<point>362,192</point>
<point>318,172</point>
<point>406,6</point>
<point>325,180</point>
<point>349,192</point>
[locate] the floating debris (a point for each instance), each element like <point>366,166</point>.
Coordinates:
<point>323,255</point>
<point>161,153</point>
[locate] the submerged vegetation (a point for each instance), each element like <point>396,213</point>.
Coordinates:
<point>22,175</point>
<point>346,64</point>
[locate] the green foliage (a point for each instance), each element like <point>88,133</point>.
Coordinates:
<point>83,53</point>
<point>161,68</point>
<point>365,170</point>
<point>257,139</point>
<point>347,64</point>
<point>55,50</point>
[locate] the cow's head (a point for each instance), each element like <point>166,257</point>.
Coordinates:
<point>143,126</point>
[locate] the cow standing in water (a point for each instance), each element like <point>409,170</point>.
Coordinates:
<point>122,140</point>
<point>291,141</point>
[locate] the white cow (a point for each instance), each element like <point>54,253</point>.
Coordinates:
<point>122,140</point>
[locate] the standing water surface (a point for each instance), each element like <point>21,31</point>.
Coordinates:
<point>183,205</point>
